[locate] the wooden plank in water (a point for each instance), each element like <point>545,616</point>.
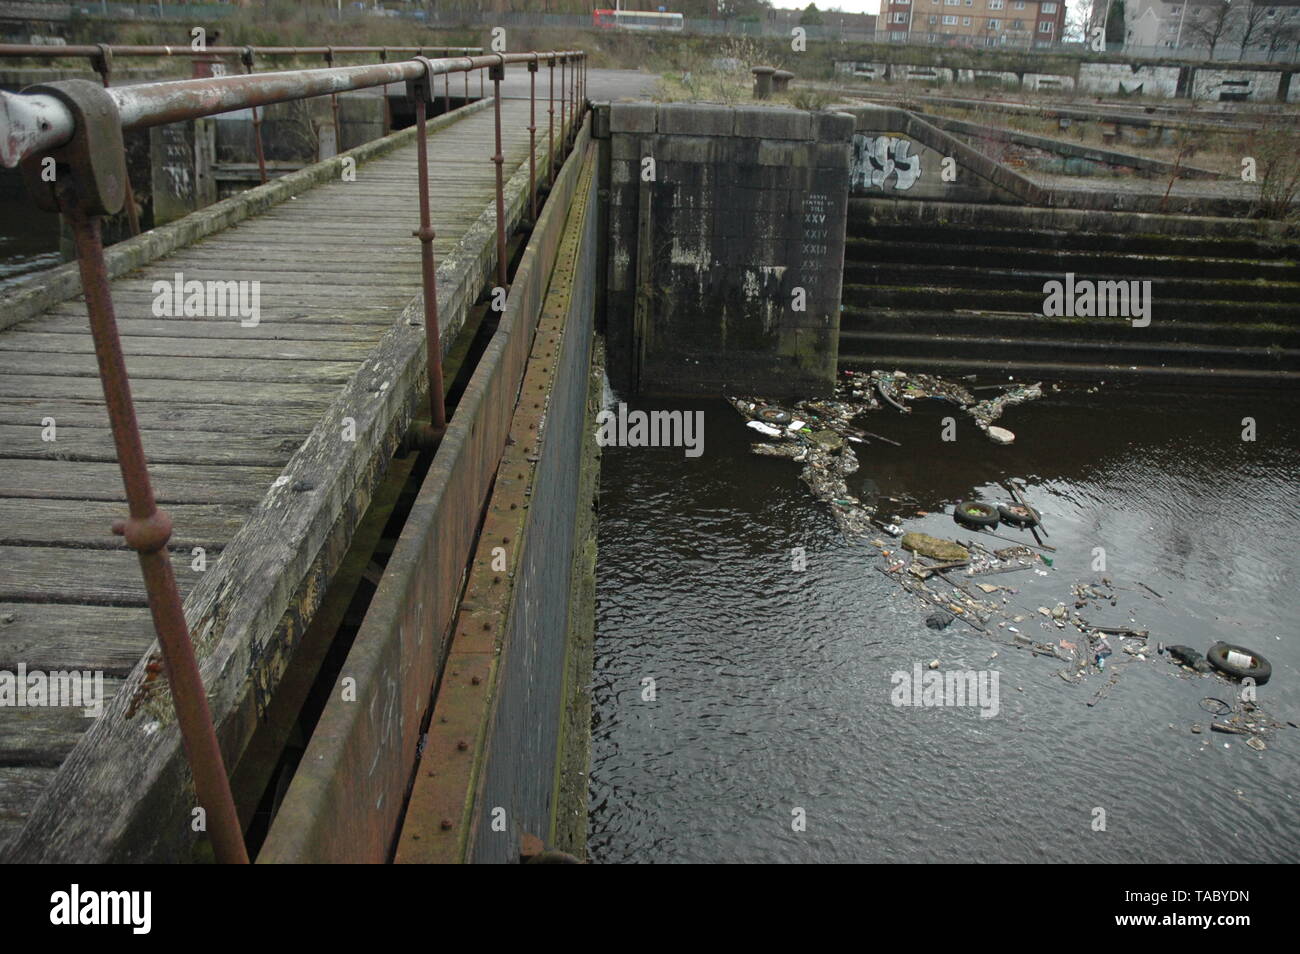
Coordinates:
<point>49,636</point>
<point>173,483</point>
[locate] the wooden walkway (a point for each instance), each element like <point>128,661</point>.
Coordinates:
<point>222,408</point>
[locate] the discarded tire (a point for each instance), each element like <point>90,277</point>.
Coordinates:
<point>1018,515</point>
<point>972,513</point>
<point>1258,668</point>
<point>774,415</point>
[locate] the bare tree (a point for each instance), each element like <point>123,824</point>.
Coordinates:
<point>1284,36</point>
<point>1211,23</point>
<point>1253,24</point>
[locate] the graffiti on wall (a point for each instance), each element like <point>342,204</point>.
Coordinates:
<point>878,158</point>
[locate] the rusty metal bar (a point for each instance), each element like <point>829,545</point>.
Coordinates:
<point>19,50</point>
<point>247,59</point>
<point>103,65</point>
<point>498,74</point>
<point>429,274</point>
<point>532,139</point>
<point>35,122</point>
<point>550,113</point>
<point>466,75</point>
<point>334,108</point>
<point>147,531</point>
<point>446,92</point>
<point>564,95</point>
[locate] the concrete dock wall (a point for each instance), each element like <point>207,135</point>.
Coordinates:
<point>725,247</point>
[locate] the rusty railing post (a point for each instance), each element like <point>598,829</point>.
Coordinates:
<point>564,95</point>
<point>498,74</point>
<point>334,106</point>
<point>482,90</point>
<point>550,121</point>
<point>388,106</point>
<point>103,65</point>
<point>532,138</point>
<point>446,93</point>
<point>93,187</point>
<point>422,91</point>
<point>246,57</point>
<point>465,73</point>
<point>568,143</point>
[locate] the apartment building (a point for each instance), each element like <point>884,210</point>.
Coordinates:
<point>1180,24</point>
<point>1014,23</point>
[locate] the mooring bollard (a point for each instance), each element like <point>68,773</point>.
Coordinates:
<point>762,81</point>
<point>781,80</point>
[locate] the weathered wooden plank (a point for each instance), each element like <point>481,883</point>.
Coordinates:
<point>248,393</point>
<point>27,521</point>
<point>20,786</point>
<point>344,328</point>
<point>42,736</point>
<point>162,446</point>
<point>234,346</point>
<point>69,636</point>
<point>142,367</point>
<point>65,575</point>
<point>288,319</point>
<point>173,483</point>
<point>294,420</point>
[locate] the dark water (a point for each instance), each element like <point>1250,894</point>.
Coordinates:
<point>29,239</point>
<point>773,687</point>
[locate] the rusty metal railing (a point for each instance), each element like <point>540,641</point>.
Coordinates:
<point>80,126</point>
<point>101,56</point>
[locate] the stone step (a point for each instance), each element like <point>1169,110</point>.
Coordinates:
<point>995,324</point>
<point>1083,262</point>
<point>942,298</point>
<point>1163,289</point>
<point>1042,351</point>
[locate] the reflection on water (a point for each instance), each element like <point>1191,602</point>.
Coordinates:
<point>772,687</point>
<point>29,239</point>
